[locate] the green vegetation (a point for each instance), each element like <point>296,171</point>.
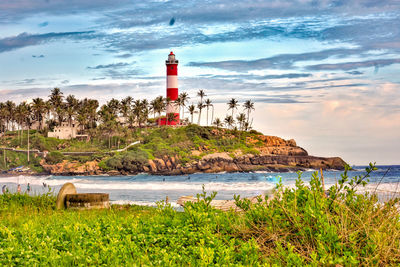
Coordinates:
<point>299,226</point>
<point>186,143</point>
<point>15,159</point>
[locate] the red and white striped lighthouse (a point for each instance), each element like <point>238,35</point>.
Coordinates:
<point>172,88</point>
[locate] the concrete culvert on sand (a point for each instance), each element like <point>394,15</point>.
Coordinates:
<point>70,199</point>
<point>87,201</point>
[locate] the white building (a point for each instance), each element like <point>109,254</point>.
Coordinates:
<point>65,131</point>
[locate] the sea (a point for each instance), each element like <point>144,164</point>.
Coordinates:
<point>145,189</point>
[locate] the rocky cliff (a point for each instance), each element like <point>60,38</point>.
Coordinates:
<point>270,153</point>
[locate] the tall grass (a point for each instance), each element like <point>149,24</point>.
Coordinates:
<point>304,225</point>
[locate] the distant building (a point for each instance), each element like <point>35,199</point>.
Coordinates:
<point>65,131</point>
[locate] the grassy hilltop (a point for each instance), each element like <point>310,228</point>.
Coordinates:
<point>189,143</point>
<point>166,150</point>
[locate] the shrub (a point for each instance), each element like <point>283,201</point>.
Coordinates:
<point>307,225</point>
<point>54,157</point>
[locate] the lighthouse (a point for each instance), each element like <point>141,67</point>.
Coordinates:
<point>172,89</point>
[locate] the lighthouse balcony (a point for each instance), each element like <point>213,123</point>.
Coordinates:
<point>171,61</point>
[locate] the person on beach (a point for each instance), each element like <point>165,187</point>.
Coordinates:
<point>3,189</point>
<point>19,188</point>
<point>44,184</point>
<point>28,188</point>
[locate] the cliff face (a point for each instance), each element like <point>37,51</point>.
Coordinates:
<point>271,153</point>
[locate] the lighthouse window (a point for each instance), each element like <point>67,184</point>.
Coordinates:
<point>172,67</point>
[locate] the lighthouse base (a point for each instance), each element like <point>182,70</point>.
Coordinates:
<point>164,121</point>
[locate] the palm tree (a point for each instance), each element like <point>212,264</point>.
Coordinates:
<point>21,113</point>
<point>241,118</point>
<point>208,105</point>
<point>126,106</point>
<point>71,108</point>
<point>229,121</point>
<point>38,109</point>
<point>109,122</point>
<point>191,109</point>
<point>182,99</point>
<point>218,123</point>
<point>233,103</point>
<point>56,101</point>
<point>248,106</point>
<point>157,105</point>
<point>9,108</point>
<point>200,105</point>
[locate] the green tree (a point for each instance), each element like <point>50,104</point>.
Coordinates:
<point>192,110</point>
<point>218,123</point>
<point>248,106</point>
<point>232,104</point>
<point>209,104</point>
<point>229,121</point>
<point>38,109</point>
<point>200,105</point>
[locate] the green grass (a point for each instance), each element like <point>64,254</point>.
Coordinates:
<point>299,226</point>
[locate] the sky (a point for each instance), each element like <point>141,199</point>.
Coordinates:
<point>325,73</point>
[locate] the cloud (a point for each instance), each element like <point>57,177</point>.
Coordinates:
<point>110,66</point>
<point>43,24</point>
<point>38,56</point>
<point>355,72</point>
<point>117,71</point>
<point>259,77</point>
<point>26,39</point>
<point>126,55</point>
<point>355,65</point>
<point>282,61</point>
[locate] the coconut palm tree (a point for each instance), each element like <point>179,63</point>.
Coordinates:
<point>71,108</point>
<point>125,106</point>
<point>181,101</point>
<point>248,106</point>
<point>9,109</point>
<point>218,123</point>
<point>56,101</point>
<point>233,103</point>
<point>38,110</point>
<point>200,105</point>
<point>208,105</point>
<point>241,118</point>
<point>229,121</point>
<point>157,105</point>
<point>192,109</point>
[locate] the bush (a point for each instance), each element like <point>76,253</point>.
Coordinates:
<point>307,225</point>
<point>131,161</point>
<point>194,130</point>
<point>54,157</point>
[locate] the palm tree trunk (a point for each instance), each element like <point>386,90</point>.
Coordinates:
<point>28,144</point>
<point>212,114</point>
<point>199,118</point>
<point>207,116</point>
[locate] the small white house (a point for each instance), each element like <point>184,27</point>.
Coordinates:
<point>65,131</point>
